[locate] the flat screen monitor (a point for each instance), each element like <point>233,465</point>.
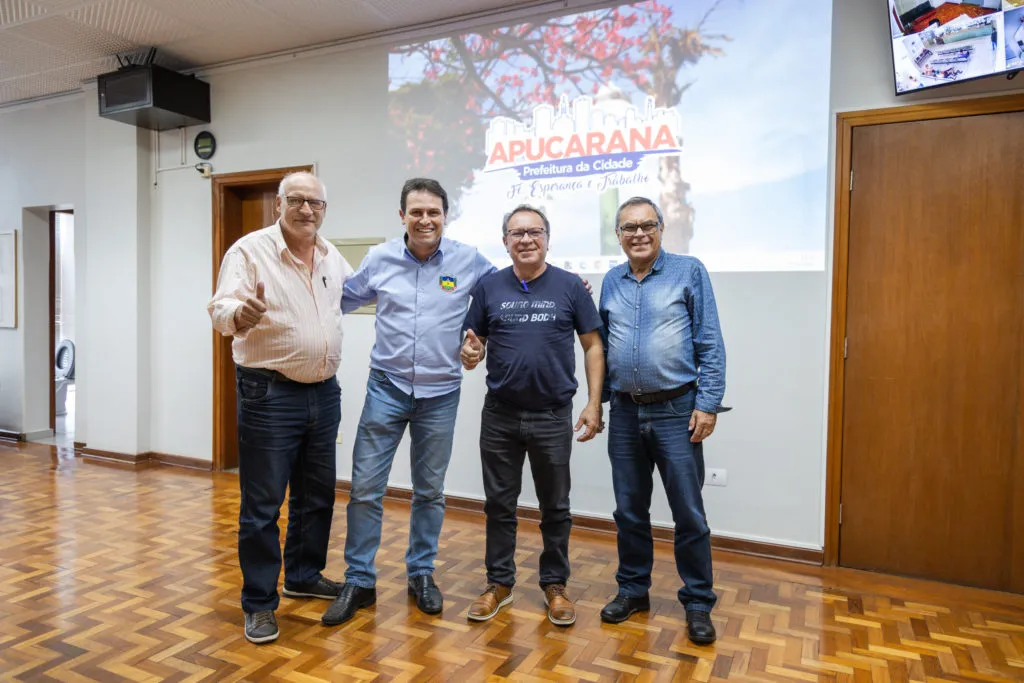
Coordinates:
<point>938,42</point>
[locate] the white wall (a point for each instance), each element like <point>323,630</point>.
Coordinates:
<point>294,113</point>
<point>116,334</point>
<point>35,319</point>
<point>773,322</point>
<point>42,152</point>
<point>144,273</point>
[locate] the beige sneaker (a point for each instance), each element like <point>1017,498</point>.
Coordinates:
<point>490,601</point>
<point>560,609</point>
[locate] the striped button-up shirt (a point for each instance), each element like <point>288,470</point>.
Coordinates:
<point>300,334</point>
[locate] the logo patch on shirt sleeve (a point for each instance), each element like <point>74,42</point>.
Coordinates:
<point>448,283</point>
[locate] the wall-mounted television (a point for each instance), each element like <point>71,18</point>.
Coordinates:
<point>939,42</point>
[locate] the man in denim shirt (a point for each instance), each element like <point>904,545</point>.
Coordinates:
<point>666,380</point>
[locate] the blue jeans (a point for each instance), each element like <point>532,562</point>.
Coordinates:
<point>431,423</point>
<point>640,438</point>
<point>286,440</point>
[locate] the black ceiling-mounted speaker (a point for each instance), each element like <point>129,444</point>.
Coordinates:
<point>150,96</point>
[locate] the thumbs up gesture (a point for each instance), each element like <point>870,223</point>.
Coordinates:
<point>472,350</point>
<point>252,309</point>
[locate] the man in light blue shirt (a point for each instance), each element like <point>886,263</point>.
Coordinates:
<point>421,282</point>
<point>666,380</point>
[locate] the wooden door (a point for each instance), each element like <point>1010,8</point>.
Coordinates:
<point>932,469</point>
<point>242,202</point>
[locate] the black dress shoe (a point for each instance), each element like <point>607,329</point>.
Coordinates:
<point>622,607</point>
<point>427,594</point>
<point>699,627</point>
<point>350,599</point>
<point>322,588</point>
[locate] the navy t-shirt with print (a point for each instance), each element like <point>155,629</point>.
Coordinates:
<point>531,334</point>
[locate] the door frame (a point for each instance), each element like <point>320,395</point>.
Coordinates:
<point>846,122</point>
<point>221,185</point>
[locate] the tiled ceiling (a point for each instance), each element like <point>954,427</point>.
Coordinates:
<point>50,46</point>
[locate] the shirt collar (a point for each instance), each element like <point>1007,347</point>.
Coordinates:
<point>659,263</point>
<point>441,247</point>
<point>282,246</point>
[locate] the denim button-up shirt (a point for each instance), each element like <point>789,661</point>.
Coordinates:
<point>420,309</point>
<point>663,331</point>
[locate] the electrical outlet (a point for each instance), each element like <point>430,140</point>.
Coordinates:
<point>338,440</point>
<point>717,477</point>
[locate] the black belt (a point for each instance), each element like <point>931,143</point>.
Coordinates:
<point>275,375</point>
<point>659,396</point>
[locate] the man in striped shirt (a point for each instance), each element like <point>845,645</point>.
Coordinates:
<point>279,295</point>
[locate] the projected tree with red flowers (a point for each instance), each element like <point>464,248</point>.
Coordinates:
<point>441,115</point>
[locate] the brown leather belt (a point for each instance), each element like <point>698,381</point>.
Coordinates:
<point>659,396</point>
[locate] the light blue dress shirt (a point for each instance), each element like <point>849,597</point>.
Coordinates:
<point>420,309</point>
<point>663,331</point>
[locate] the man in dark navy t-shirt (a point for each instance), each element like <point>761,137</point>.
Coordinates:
<point>527,317</point>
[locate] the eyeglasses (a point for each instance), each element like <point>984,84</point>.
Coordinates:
<point>315,204</point>
<point>516,235</point>
<point>648,228</point>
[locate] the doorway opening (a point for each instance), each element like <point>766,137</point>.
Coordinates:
<point>62,326</point>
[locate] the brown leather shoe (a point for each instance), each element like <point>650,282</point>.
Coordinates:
<point>560,609</point>
<point>490,601</point>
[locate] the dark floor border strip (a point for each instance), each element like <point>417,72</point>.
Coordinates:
<point>589,523</point>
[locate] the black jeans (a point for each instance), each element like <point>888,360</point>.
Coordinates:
<point>507,434</point>
<point>286,439</point>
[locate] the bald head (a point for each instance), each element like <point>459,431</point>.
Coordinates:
<point>301,203</point>
<point>300,178</point>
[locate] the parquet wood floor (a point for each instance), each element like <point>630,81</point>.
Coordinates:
<point>113,573</point>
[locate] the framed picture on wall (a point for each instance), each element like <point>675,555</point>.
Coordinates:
<point>9,279</point>
<point>354,249</point>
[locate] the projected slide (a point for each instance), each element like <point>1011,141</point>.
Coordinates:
<point>716,110</point>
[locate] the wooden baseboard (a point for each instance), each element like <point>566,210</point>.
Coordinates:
<point>148,458</point>
<point>772,551</point>
<point>180,461</point>
<point>600,525</point>
<point>79,445</point>
<point>11,436</point>
<point>113,456</point>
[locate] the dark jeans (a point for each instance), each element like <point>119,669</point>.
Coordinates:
<point>507,434</point>
<point>286,438</point>
<point>640,438</point>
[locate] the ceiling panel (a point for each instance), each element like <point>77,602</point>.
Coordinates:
<point>134,21</point>
<point>15,11</point>
<point>51,46</point>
